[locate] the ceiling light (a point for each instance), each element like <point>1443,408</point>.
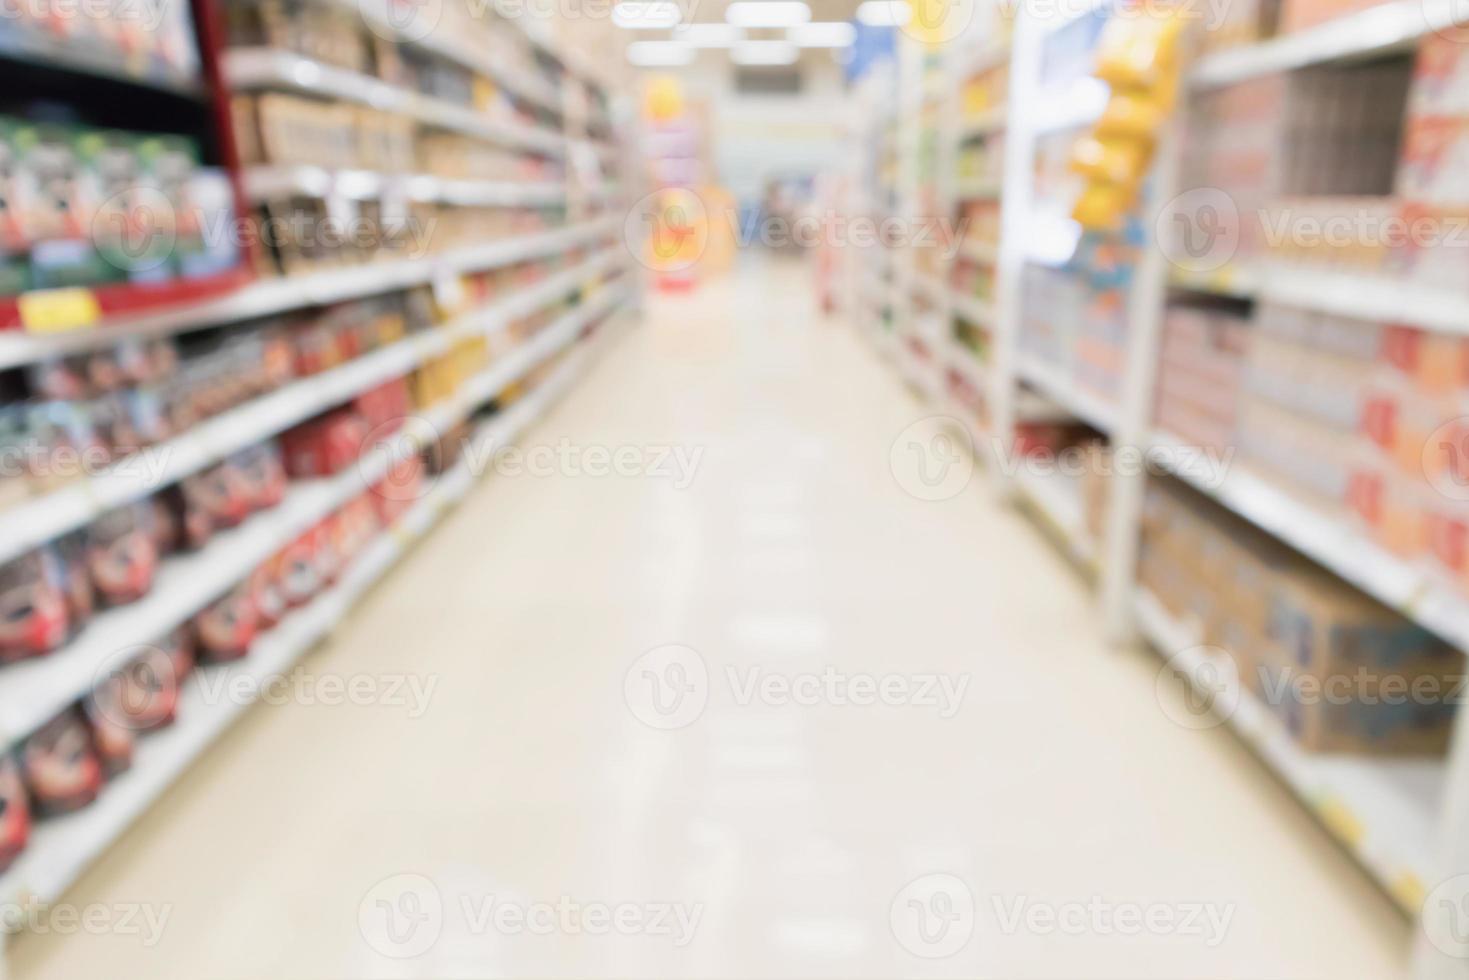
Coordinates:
<point>774,13</point>
<point>885,13</point>
<point>709,35</point>
<point>829,35</point>
<point>646,15</point>
<point>659,54</point>
<point>765,53</point>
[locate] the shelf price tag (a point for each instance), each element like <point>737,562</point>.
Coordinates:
<point>51,311</point>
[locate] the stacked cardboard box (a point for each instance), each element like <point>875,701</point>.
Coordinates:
<point>1341,672</point>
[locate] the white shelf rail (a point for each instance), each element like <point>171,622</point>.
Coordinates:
<point>268,297</point>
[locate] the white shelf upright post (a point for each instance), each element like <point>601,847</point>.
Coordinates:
<point>1016,202</point>
<point>1147,300</point>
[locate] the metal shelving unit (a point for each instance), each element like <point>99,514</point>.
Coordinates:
<point>1402,820</point>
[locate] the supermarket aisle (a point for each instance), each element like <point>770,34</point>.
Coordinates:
<point>774,838</point>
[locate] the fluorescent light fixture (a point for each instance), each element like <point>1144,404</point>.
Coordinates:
<point>646,15</point>
<point>829,35</point>
<point>659,54</point>
<point>768,13</point>
<point>709,35</point>
<point>765,53</point>
<point>885,13</point>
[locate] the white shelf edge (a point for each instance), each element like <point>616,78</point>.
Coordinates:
<point>60,850</point>
<point>1363,297</point>
<point>27,525</point>
<point>1383,810</point>
<point>266,182</point>
<point>1089,408</point>
<point>1347,553</point>
<point>1364,34</point>
<point>976,311</point>
<point>34,690</point>
<point>271,296</point>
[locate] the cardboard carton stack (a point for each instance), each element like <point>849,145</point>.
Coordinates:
<point>1341,672</point>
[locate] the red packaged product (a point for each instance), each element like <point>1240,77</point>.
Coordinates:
<point>324,553</point>
<point>121,555</point>
<point>33,609</point>
<point>113,738</point>
<point>267,593</point>
<point>60,766</point>
<point>151,685</point>
<point>264,476</point>
<point>227,627</point>
<point>15,813</point>
<point>397,491</point>
<point>324,446</point>
<point>297,574</point>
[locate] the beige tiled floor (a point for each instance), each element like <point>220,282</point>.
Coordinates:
<point>1059,786</point>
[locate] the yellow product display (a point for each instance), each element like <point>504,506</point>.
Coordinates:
<point>1103,206</point>
<point>1138,58</point>
<point>1131,115</point>
<point>1113,161</point>
<point>1140,51</point>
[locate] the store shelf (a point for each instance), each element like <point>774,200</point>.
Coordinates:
<point>1342,550</point>
<point>61,849</point>
<point>269,68</point>
<point>974,310</point>
<point>1369,33</point>
<point>977,188</point>
<point>1239,282</point>
<point>266,183</point>
<point>1364,297</point>
<point>46,50</point>
<point>930,288</point>
<point>1382,810</point>
<point>272,296</point>
<point>444,44</point>
<point>985,124</point>
<point>1056,497</point>
<point>34,690</point>
<point>978,250</point>
<point>1053,383</point>
<point>30,524</point>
